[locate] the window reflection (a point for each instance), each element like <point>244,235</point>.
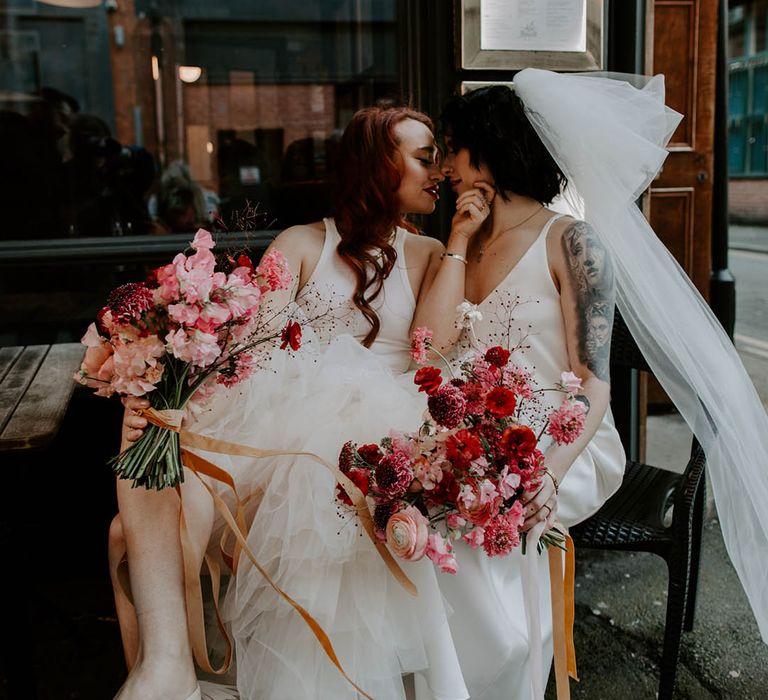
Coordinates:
<point>159,117</point>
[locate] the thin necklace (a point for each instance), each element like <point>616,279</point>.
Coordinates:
<point>488,244</point>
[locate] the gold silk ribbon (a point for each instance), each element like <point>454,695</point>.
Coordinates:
<point>200,467</point>
<point>562,590</point>
<point>563,613</point>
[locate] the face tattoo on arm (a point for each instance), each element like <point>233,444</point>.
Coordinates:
<point>591,273</point>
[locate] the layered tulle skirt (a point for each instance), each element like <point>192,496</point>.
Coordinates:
<point>313,548</point>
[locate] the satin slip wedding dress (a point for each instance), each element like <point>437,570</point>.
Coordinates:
<point>488,620</point>
<point>330,391</point>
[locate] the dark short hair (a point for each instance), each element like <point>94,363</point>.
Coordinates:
<point>491,123</point>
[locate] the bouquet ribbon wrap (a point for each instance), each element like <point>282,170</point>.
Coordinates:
<point>562,595</point>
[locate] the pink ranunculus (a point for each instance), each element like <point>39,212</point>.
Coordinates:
<point>475,537</point>
<point>570,382</point>
<point>566,423</point>
<point>440,551</point>
<point>97,368</point>
<point>407,533</point>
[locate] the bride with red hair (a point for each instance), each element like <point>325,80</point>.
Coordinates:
<point>357,278</point>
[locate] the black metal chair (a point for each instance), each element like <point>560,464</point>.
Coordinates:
<point>637,518</point>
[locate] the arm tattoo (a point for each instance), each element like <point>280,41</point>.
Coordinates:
<point>591,273</point>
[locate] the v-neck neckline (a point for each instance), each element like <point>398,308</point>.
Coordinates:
<point>542,234</point>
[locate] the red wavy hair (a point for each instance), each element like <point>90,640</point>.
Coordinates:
<point>366,208</point>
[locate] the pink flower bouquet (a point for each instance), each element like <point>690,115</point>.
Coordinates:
<point>463,473</point>
<point>186,329</point>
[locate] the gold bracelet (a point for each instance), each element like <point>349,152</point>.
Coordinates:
<point>455,256</point>
<point>552,476</point>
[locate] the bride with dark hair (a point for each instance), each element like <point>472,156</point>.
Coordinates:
<point>547,283</point>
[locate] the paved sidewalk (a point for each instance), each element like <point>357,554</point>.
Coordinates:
<point>751,238</point>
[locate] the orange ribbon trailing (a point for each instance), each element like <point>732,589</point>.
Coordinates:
<point>562,590</point>
<point>563,613</point>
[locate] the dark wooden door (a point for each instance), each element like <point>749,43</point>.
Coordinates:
<point>682,46</point>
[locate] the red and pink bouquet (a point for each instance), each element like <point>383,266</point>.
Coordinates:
<point>179,334</point>
<point>462,475</point>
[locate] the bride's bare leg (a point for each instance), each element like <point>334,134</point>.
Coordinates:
<point>126,613</point>
<point>158,634</point>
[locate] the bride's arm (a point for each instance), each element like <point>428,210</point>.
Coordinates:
<point>443,287</point>
<point>584,273</point>
<point>588,297</point>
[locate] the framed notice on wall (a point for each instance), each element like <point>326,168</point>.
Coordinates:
<point>514,34</point>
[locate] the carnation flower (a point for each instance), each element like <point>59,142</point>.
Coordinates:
<point>421,340</point>
<point>407,534</point>
<point>447,406</point>
<point>129,301</point>
<point>428,379</point>
<point>393,474</point>
<point>275,271</point>
<point>500,402</point>
<point>291,335</point>
<point>497,356</point>
<point>501,535</point>
<point>238,369</point>
<point>567,422</point>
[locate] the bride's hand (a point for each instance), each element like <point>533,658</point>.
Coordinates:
<point>133,423</point>
<point>540,506</point>
<point>472,209</point>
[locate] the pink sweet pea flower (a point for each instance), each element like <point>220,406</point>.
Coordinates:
<point>455,521</point>
<point>508,483</point>
<point>475,537</point>
<point>570,382</point>
<point>440,551</point>
<point>198,348</point>
<point>186,314</point>
<point>203,240</point>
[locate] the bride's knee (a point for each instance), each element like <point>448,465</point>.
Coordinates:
<point>116,539</point>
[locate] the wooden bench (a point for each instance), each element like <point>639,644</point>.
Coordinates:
<point>36,386</point>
